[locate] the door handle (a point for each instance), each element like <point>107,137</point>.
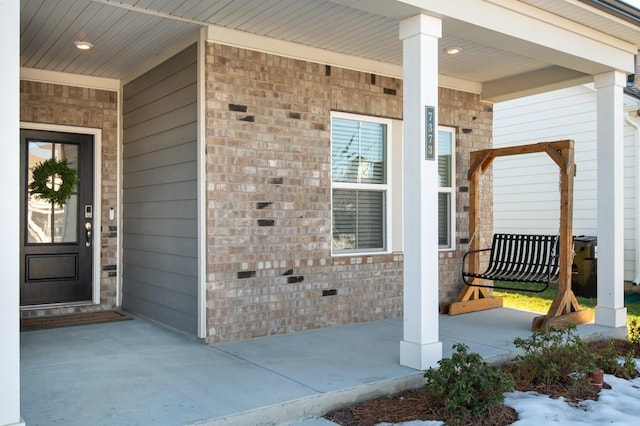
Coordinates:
<point>87,226</point>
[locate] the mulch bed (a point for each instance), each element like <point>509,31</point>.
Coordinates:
<point>414,404</point>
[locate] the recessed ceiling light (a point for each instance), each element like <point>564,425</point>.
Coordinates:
<point>453,50</point>
<point>83,45</point>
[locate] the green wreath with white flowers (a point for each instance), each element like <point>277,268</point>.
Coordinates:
<point>53,180</point>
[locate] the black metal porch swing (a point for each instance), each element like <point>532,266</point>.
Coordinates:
<point>516,258</point>
<point>536,260</point>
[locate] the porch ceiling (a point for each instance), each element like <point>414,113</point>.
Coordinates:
<point>126,33</point>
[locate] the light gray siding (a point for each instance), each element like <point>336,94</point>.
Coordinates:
<point>526,188</point>
<point>160,245</point>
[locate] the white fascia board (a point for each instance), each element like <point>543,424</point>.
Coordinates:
<point>68,79</point>
<point>515,26</point>
<point>289,49</point>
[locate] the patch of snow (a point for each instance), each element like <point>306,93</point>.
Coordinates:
<point>619,405</point>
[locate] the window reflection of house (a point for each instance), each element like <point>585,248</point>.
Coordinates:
<point>367,171</point>
<point>359,177</point>
<point>47,222</point>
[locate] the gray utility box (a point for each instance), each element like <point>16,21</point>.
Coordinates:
<point>584,280</point>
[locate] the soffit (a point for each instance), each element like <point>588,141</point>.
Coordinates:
<point>126,33</point>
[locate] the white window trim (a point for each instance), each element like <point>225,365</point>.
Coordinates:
<point>386,188</point>
<point>452,189</point>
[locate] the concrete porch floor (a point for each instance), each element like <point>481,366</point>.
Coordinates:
<point>139,373</point>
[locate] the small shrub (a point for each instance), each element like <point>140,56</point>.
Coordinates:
<point>633,333</point>
<point>608,357</point>
<point>466,384</point>
<point>628,368</point>
<point>554,357</point>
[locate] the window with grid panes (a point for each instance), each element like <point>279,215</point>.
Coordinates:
<point>446,184</point>
<point>359,170</point>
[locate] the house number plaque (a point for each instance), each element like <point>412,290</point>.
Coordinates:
<point>429,130</point>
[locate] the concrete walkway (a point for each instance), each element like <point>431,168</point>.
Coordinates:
<point>139,373</point>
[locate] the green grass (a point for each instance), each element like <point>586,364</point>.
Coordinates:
<point>541,302</point>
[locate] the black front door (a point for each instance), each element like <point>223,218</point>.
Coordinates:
<point>56,241</point>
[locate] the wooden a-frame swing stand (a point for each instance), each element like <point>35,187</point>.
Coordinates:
<point>564,308</point>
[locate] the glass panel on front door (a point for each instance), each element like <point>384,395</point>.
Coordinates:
<point>48,222</point>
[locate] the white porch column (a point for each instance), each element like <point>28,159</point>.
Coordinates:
<point>9,219</point>
<point>610,310</point>
<point>420,347</point>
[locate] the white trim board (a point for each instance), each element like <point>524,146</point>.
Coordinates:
<point>69,79</point>
<point>202,189</point>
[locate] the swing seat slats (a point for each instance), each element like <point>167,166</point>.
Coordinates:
<point>518,258</point>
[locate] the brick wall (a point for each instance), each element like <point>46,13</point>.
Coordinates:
<point>82,107</point>
<point>269,260</point>
<point>473,121</point>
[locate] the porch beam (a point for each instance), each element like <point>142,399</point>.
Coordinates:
<point>610,310</point>
<point>532,82</point>
<point>420,347</point>
<point>507,25</point>
<point>9,215</point>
